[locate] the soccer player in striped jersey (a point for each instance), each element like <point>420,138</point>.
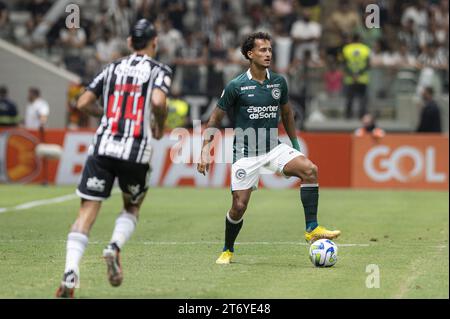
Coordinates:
<point>133,92</point>
<point>255,100</point>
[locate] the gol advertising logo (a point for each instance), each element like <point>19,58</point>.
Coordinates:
<point>403,164</point>
<point>406,161</point>
<point>18,162</point>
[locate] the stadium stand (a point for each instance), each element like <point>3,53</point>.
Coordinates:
<point>200,39</point>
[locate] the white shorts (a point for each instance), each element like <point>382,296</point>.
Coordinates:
<point>246,171</point>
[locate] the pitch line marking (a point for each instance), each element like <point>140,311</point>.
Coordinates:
<point>243,243</point>
<point>174,243</point>
<point>42,202</point>
<point>240,243</point>
<point>188,243</point>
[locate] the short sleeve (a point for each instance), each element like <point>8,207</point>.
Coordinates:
<point>228,98</point>
<point>284,92</point>
<point>163,80</point>
<point>96,86</point>
<point>43,109</point>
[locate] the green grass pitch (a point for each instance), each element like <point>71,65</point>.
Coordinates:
<point>180,234</point>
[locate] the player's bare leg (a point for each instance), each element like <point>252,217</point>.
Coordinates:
<point>304,169</point>
<point>233,223</point>
<point>124,228</point>
<point>77,241</point>
<point>87,215</point>
<point>239,205</point>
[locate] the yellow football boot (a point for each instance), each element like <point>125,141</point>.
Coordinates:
<point>225,257</point>
<point>321,232</point>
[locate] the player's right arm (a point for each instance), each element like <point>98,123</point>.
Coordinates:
<point>225,103</point>
<point>213,124</point>
<point>87,102</point>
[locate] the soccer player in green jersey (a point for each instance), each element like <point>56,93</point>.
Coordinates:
<point>256,99</point>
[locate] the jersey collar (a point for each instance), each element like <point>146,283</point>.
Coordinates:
<point>249,74</point>
<point>144,56</point>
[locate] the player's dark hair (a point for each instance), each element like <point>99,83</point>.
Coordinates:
<point>429,90</point>
<point>249,42</point>
<point>357,38</point>
<point>35,91</point>
<point>141,34</point>
<point>3,90</point>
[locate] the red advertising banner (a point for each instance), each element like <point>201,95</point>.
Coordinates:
<point>332,153</point>
<point>401,161</point>
<point>405,161</point>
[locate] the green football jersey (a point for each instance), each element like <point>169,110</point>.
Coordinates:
<point>254,109</point>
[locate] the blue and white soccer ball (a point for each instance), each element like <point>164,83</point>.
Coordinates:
<point>323,253</point>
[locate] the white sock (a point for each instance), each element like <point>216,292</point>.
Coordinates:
<point>125,225</point>
<point>231,220</point>
<point>76,244</point>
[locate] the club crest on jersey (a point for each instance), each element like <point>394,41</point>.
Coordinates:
<point>276,93</point>
<point>241,173</point>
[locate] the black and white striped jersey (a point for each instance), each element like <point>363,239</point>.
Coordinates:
<point>125,87</point>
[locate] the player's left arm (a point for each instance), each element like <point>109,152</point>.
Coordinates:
<point>287,116</point>
<point>160,92</point>
<point>159,110</point>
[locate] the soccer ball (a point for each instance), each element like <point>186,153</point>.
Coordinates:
<point>323,253</point>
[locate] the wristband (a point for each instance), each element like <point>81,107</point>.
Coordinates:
<point>295,144</point>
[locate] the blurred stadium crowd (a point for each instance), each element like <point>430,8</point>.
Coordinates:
<point>200,40</point>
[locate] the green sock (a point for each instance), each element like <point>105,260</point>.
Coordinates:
<point>232,229</point>
<point>309,194</point>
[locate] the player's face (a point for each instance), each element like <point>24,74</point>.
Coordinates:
<point>261,54</point>
<point>31,96</point>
